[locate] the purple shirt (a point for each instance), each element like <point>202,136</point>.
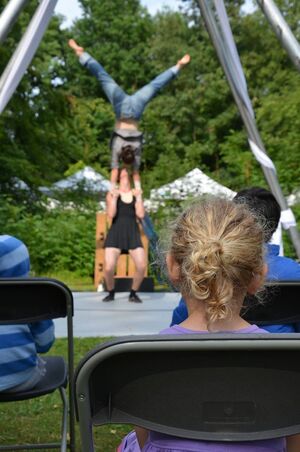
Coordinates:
<point>158,442</point>
<point>177,329</point>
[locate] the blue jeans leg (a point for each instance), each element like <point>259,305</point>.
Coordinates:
<point>141,98</point>
<point>113,91</point>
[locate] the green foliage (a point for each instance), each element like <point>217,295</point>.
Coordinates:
<point>58,240</point>
<point>59,119</point>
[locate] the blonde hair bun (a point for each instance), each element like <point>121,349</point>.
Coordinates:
<point>219,246</point>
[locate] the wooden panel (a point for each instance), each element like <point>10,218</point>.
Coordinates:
<point>145,243</point>
<point>121,269</point>
<point>99,253</point>
<point>131,267</point>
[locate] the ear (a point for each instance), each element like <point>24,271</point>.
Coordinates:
<point>173,268</point>
<point>257,280</point>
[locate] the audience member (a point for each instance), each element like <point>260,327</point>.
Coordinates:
<point>21,368</point>
<point>216,257</point>
<point>264,205</point>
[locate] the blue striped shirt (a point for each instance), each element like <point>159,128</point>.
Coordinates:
<point>19,344</point>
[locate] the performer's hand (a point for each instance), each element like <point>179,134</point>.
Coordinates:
<point>115,193</point>
<point>137,192</point>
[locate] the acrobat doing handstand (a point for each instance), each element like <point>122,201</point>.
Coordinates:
<point>126,143</point>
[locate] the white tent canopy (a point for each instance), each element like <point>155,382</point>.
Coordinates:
<point>194,183</point>
<point>88,177</point>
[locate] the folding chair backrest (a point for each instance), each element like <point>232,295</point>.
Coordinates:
<point>33,299</point>
<point>278,304</point>
<point>227,387</point>
<point>27,300</point>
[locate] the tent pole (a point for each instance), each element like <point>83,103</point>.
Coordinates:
<point>9,16</point>
<point>249,122</point>
<point>282,30</point>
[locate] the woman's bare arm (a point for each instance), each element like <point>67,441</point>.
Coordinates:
<point>111,203</point>
<point>139,204</point>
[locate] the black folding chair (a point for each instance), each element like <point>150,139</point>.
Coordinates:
<point>279,304</point>
<point>224,387</point>
<point>26,300</point>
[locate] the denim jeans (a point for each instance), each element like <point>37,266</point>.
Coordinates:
<point>124,105</point>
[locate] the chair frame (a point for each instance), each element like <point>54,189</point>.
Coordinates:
<point>144,349</point>
<point>63,308</point>
<point>277,305</point>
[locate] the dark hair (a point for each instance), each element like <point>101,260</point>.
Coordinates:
<point>127,154</point>
<point>263,203</point>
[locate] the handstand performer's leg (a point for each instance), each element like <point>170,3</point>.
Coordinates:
<point>145,94</point>
<point>113,91</point>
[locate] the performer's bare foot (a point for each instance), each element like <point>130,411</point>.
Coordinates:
<point>77,49</point>
<point>183,61</point>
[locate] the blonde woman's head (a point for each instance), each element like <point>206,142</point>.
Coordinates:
<point>218,250</point>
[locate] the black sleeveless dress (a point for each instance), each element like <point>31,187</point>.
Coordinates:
<point>124,233</point>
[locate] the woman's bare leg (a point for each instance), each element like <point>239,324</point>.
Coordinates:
<point>139,259</point>
<point>111,256</point>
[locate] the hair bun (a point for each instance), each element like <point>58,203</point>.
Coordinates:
<point>218,245</point>
<point>212,249</point>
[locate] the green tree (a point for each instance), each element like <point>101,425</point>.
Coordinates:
<point>35,145</point>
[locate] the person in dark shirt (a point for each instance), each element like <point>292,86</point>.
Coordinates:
<point>215,257</point>
<point>124,206</point>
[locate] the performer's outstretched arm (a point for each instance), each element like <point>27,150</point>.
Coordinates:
<point>111,203</point>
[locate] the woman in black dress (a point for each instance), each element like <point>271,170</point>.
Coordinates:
<point>124,206</point>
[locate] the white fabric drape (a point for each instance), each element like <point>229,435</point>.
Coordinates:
<point>25,51</point>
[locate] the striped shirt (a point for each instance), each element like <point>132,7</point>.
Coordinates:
<point>14,258</point>
<point>19,344</point>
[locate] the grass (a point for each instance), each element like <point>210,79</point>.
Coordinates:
<point>76,283</point>
<point>39,419</point>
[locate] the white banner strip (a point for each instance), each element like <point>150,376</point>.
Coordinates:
<point>25,51</point>
<point>287,219</point>
<point>261,156</point>
<point>236,62</point>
